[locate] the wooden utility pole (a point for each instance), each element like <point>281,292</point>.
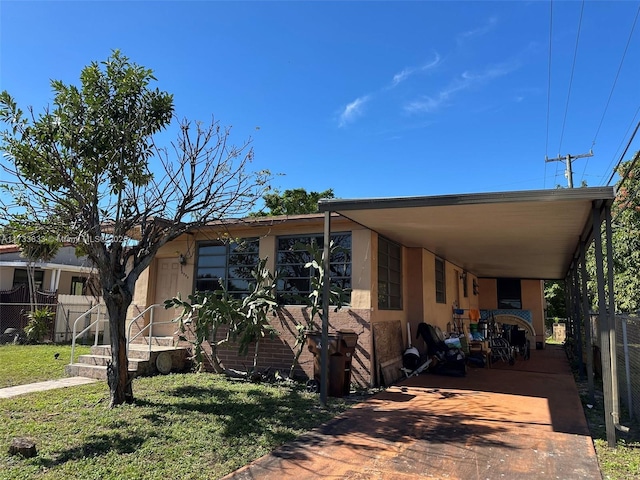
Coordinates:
<point>568,159</point>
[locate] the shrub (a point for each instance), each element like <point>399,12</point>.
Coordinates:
<point>38,326</point>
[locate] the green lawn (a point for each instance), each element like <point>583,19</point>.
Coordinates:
<point>22,364</point>
<point>186,426</point>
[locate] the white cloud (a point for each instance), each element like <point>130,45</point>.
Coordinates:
<point>465,81</point>
<point>402,76</point>
<point>353,110</point>
<point>426,104</point>
<point>407,72</point>
<point>483,30</point>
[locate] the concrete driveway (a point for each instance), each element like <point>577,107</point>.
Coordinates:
<point>508,422</point>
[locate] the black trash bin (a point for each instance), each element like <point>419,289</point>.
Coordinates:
<point>341,347</point>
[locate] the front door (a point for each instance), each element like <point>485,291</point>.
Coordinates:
<point>167,274</point>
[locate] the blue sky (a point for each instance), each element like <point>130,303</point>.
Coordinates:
<point>368,98</point>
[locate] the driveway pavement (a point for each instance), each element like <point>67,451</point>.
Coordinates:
<point>508,422</point>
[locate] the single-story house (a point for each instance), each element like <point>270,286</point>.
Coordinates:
<point>408,260</point>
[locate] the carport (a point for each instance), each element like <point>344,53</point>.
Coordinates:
<point>535,234</point>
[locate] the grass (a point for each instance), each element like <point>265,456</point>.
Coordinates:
<point>622,462</point>
<point>183,426</point>
<point>550,341</point>
<point>36,363</point>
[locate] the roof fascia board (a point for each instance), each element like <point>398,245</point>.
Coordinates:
<point>50,266</point>
<point>560,194</point>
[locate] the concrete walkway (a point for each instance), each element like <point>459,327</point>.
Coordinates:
<point>508,422</point>
<point>9,392</point>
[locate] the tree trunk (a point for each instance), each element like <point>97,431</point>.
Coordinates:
<point>255,356</point>
<point>117,301</point>
<point>214,360</point>
<point>296,359</point>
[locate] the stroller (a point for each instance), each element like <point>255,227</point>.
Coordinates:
<point>445,360</point>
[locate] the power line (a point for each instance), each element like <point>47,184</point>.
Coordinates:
<point>546,146</point>
<point>613,159</point>
<point>632,195</point>
<point>622,156</point>
<point>573,67</point>
<point>617,75</point>
<point>615,81</point>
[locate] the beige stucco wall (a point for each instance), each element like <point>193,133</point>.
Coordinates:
<point>64,285</point>
<point>144,294</point>
<point>361,269</point>
<point>532,294</point>
<point>435,313</point>
<point>533,299</point>
<point>6,278</point>
<point>415,292</point>
<point>488,289</point>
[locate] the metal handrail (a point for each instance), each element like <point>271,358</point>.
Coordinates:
<point>99,319</point>
<point>148,326</point>
<point>96,322</point>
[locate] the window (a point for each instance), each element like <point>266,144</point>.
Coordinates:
<point>78,285</point>
<point>389,275</point>
<point>227,262</point>
<point>441,294</point>
<point>509,294</point>
<point>292,257</point>
<point>20,277</point>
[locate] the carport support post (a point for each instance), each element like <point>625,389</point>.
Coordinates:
<point>326,294</point>
<point>575,305</point>
<point>586,319</point>
<point>567,305</point>
<point>603,328</point>
<point>615,395</point>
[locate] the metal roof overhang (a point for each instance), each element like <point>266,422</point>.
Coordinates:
<point>520,234</point>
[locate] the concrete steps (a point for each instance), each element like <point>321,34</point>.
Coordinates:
<point>162,357</point>
<point>101,361</point>
<point>157,341</point>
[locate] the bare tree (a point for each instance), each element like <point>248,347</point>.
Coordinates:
<point>91,164</point>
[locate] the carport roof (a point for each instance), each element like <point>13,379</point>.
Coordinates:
<point>520,234</point>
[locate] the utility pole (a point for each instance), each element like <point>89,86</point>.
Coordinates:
<point>568,159</point>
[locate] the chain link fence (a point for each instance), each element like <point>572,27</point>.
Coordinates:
<point>627,359</point>
<point>628,362</point>
<point>14,318</point>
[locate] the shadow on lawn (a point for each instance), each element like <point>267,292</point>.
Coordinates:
<point>97,446</point>
<point>249,413</point>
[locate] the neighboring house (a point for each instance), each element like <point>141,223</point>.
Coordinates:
<point>409,260</point>
<point>66,281</point>
<point>66,273</point>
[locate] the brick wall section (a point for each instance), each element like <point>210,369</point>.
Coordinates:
<point>278,353</point>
